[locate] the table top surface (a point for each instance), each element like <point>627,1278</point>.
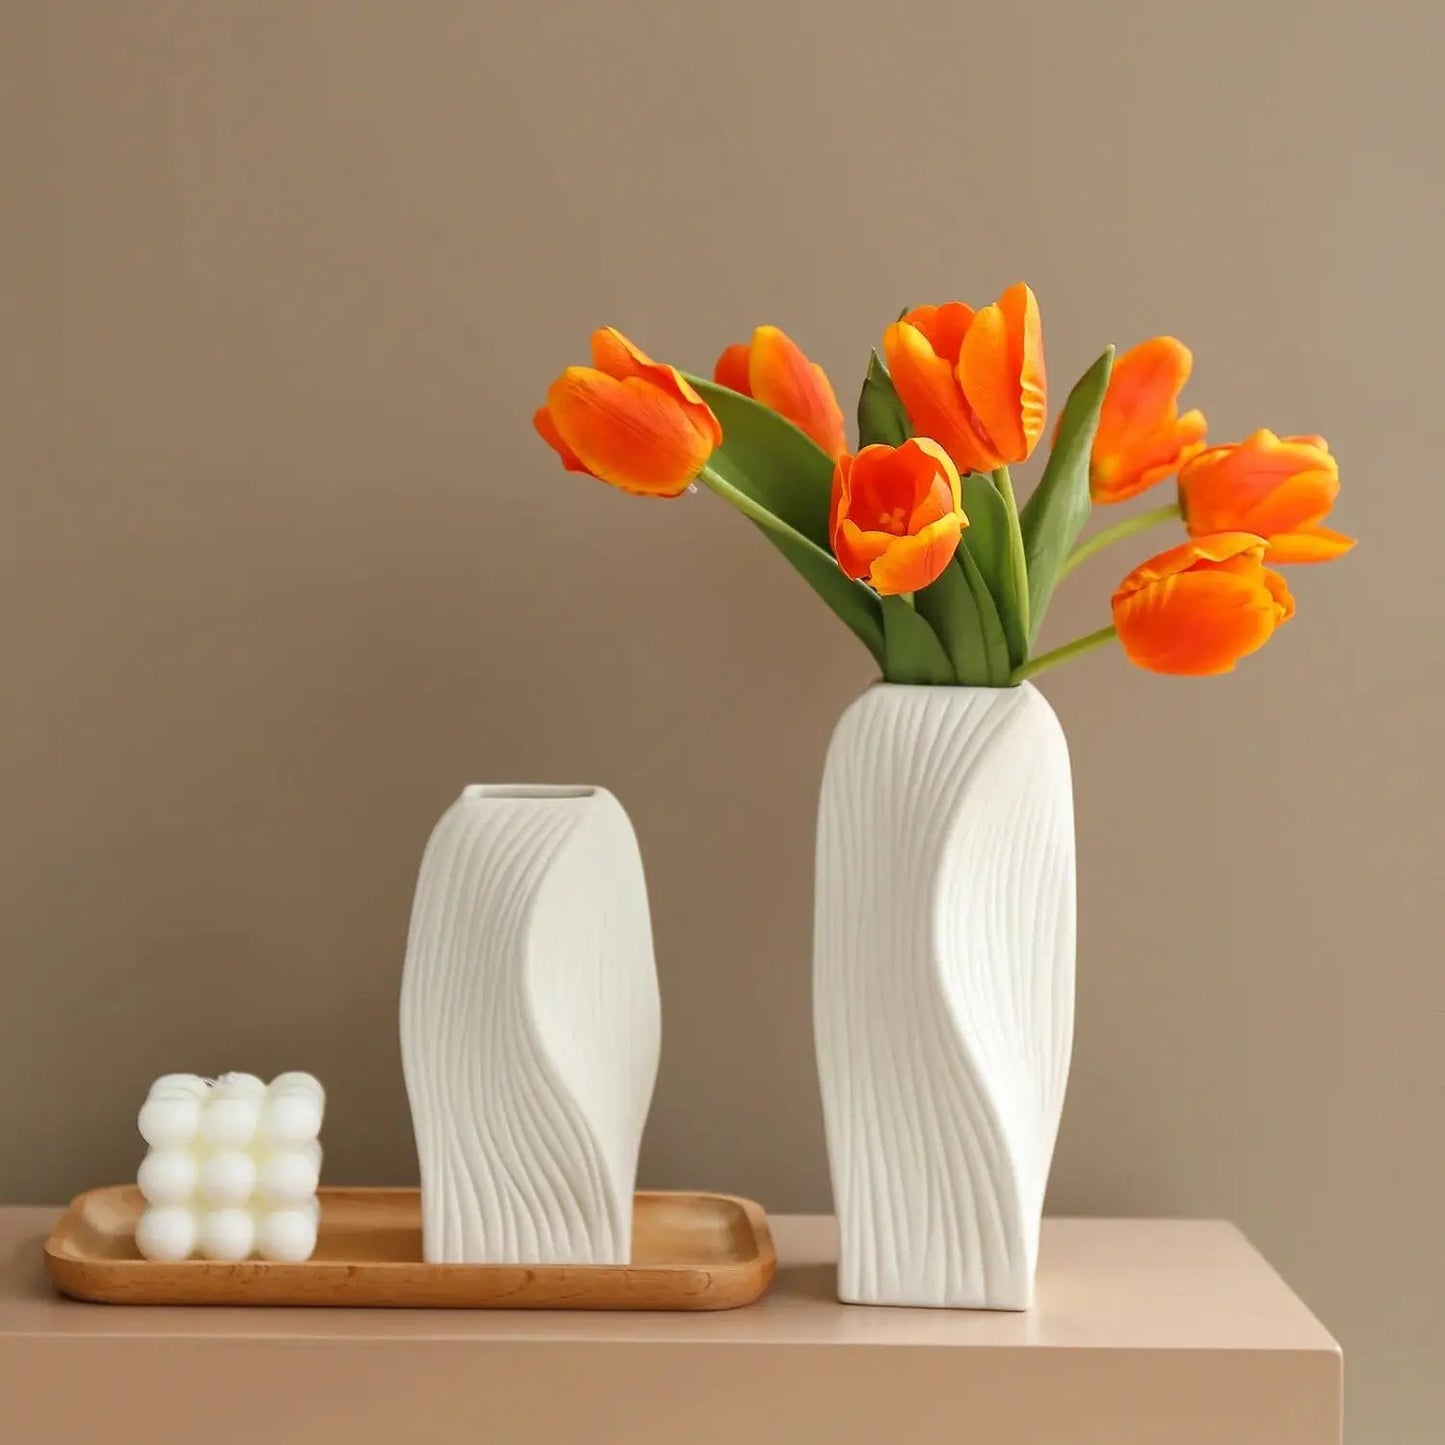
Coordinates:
<point>1104,1284</point>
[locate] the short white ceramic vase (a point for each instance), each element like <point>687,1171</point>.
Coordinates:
<point>943,988</point>
<point>529,1027</point>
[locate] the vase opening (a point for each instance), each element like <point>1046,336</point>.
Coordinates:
<point>540,792</point>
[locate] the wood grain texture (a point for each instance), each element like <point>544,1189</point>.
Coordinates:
<point>690,1252</point>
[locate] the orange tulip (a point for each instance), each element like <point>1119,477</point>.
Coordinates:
<point>1142,438</point>
<point>1279,488</point>
<point>1198,608</point>
<point>628,420</point>
<point>974,381</point>
<point>897,515</point>
<point>771,369</point>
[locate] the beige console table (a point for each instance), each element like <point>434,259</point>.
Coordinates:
<point>1147,1332</point>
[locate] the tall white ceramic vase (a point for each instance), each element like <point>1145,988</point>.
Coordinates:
<point>943,988</point>
<point>529,1027</point>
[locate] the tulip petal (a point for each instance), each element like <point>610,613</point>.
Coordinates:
<point>1279,591</point>
<point>857,550</point>
<point>1143,388</point>
<point>842,495</point>
<point>1000,369</point>
<point>1241,474</point>
<point>1308,544</point>
<point>1187,437</point>
<point>1194,624</point>
<point>1266,485</point>
<point>898,489</point>
<point>542,421</point>
<point>731,370</point>
<point>1145,462</point>
<point>782,378</point>
<point>991,393</point>
<point>1220,547</point>
<point>911,563</point>
<point>938,491</point>
<point>615,356</point>
<point>897,515</point>
<point>944,327</point>
<point>929,390</point>
<point>631,433</point>
<point>1158,457</point>
<point>1141,437</point>
<point>873,495</point>
<point>1295,502</point>
<point>1026,361</point>
<point>1199,607</point>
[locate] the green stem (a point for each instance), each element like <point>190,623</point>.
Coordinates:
<point>1004,482</point>
<point>1129,527</point>
<point>1076,648</point>
<point>739,499</point>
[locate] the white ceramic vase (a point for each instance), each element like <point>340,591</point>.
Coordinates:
<point>529,1027</point>
<point>943,988</point>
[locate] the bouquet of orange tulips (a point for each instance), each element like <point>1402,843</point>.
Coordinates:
<point>917,539</point>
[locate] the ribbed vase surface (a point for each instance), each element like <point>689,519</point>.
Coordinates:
<point>529,1027</point>
<point>943,988</point>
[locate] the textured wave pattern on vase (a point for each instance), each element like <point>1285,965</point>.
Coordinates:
<point>530,1027</point>
<point>944,988</point>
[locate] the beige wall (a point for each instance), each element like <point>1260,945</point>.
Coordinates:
<point>287,565</point>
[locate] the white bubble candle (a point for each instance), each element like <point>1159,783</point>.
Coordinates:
<point>232,1168</point>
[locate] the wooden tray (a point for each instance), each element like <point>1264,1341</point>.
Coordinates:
<point>690,1252</point>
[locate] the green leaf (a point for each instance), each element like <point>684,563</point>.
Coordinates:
<point>881,417</point>
<point>986,539</point>
<point>777,465</point>
<point>782,481</point>
<point>1059,507</point>
<point>995,641</point>
<point>855,604</point>
<point>912,651</point>
<point>960,609</point>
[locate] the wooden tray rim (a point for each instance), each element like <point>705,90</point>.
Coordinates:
<point>726,1284</point>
